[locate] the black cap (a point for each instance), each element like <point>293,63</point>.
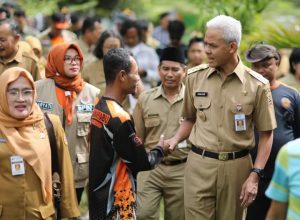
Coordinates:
<point>260,52</point>
<point>172,54</point>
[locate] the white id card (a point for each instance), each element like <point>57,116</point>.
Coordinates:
<point>182,144</point>
<point>240,122</point>
<point>17,165</point>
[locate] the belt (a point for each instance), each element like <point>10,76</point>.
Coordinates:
<point>222,155</point>
<point>173,162</point>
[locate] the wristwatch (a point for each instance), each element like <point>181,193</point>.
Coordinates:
<point>260,172</point>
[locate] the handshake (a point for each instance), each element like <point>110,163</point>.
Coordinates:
<point>167,145</point>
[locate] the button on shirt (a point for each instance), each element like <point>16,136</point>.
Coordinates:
<point>214,102</point>
<point>155,115</point>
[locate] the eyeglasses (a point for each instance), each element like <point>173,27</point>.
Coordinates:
<point>15,93</point>
<point>69,60</point>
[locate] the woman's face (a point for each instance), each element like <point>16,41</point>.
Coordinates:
<point>109,43</point>
<point>72,63</point>
<point>19,95</point>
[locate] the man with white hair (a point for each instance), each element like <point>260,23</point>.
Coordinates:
<point>223,102</point>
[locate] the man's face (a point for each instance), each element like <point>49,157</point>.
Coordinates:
<point>8,42</point>
<point>132,78</point>
<point>171,74</point>
<point>131,37</point>
<point>217,50</point>
<point>95,34</point>
<point>196,54</point>
<point>267,68</point>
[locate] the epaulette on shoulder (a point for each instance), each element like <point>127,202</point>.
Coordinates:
<point>28,55</point>
<point>258,76</point>
<point>197,68</point>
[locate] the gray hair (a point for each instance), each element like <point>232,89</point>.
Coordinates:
<point>231,28</point>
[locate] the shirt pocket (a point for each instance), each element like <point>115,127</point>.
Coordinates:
<point>81,168</point>
<point>152,122</point>
<point>203,107</point>
<point>83,123</point>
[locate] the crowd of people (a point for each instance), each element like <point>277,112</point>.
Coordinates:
<point>135,117</point>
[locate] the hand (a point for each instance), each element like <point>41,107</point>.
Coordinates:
<point>171,143</point>
<point>249,190</point>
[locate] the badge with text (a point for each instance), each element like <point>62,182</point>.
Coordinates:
<point>201,94</point>
<point>17,165</point>
<point>240,122</point>
<point>45,105</point>
<point>85,108</point>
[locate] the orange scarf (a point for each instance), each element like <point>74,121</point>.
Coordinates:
<point>24,136</point>
<point>55,71</point>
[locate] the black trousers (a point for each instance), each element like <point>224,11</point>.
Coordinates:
<point>259,208</point>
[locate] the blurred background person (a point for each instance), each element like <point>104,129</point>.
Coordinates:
<point>195,52</point>
<point>160,32</point>
<point>25,154</point>
<point>65,94</point>
<point>90,32</point>
<point>36,46</point>
<point>22,24</point>
<point>147,30</point>
<point>11,54</point>
<point>57,33</point>
<point>145,56</point>
<point>76,23</point>
<point>265,60</point>
<point>293,78</point>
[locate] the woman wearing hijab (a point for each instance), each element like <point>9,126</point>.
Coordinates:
<point>65,94</point>
<point>25,161</point>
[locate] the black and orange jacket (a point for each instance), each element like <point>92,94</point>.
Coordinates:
<point>116,156</point>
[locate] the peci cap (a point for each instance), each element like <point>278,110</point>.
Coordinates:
<point>59,21</point>
<point>260,52</point>
<point>172,54</point>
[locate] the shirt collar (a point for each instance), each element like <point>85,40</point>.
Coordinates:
<point>160,92</point>
<point>239,71</point>
<point>17,57</point>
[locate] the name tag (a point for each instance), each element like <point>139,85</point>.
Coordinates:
<point>85,108</point>
<point>2,140</point>
<point>240,122</point>
<point>17,165</point>
<point>45,105</point>
<point>201,94</point>
<point>182,144</point>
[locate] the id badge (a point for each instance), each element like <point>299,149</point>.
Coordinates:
<point>17,165</point>
<point>240,122</point>
<point>182,144</point>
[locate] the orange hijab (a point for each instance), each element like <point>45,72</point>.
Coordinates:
<point>55,71</point>
<point>22,138</point>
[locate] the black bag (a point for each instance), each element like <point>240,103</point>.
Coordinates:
<point>56,184</point>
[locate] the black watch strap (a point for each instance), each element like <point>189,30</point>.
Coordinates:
<point>259,172</point>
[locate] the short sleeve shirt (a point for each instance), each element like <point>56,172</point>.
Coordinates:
<point>213,103</point>
<point>155,115</point>
<point>285,184</point>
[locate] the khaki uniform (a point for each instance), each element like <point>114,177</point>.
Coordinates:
<point>24,60</point>
<point>213,187</point>
<point>87,52</point>
<point>77,132</point>
<point>291,80</point>
<point>93,73</point>
<point>155,115</point>
<point>67,36</point>
<point>21,196</point>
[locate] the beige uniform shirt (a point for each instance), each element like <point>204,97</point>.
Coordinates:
<point>155,115</point>
<point>87,51</point>
<point>24,60</point>
<point>77,132</point>
<point>214,104</point>
<point>21,196</point>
